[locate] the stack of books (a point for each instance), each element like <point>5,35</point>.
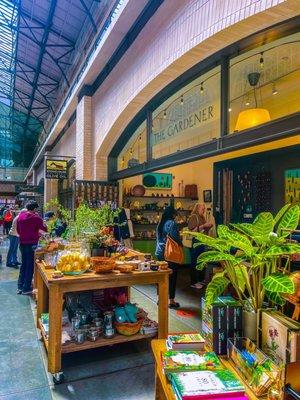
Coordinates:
<point>186,341</point>
<point>221,321</point>
<point>280,337</point>
<point>198,375</point>
<point>202,385</point>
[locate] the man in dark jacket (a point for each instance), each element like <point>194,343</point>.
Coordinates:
<point>29,225</point>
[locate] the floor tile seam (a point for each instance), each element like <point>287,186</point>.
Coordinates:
<point>108,373</point>
<point>3,396</point>
<point>173,312</point>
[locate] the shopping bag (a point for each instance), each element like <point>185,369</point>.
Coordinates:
<point>187,238</point>
<point>173,251</point>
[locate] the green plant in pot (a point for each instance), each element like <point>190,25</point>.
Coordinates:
<point>93,226</point>
<point>251,255</point>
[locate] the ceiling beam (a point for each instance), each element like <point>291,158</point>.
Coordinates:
<point>87,11</point>
<point>24,15</point>
<point>48,25</point>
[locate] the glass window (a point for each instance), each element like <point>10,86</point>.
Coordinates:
<point>135,150</point>
<point>189,118</point>
<point>265,83</point>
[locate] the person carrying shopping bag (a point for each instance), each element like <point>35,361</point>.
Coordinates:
<point>169,248</point>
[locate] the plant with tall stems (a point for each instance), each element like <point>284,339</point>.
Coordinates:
<point>253,269</point>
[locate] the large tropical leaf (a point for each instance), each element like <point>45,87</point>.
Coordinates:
<point>245,228</point>
<point>275,298</point>
<point>222,231</point>
<point>289,221</point>
<point>214,256</point>
<point>279,250</point>
<point>241,275</point>
<point>278,283</point>
<point>215,288</point>
<point>240,241</point>
<point>263,224</point>
<point>280,213</point>
<point>214,243</point>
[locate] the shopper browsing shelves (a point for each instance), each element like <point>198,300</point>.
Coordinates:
<point>29,225</point>
<point>197,223</point>
<point>168,227</point>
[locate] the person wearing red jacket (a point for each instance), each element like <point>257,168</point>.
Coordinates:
<point>29,225</point>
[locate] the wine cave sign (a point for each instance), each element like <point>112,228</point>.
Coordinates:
<point>56,169</point>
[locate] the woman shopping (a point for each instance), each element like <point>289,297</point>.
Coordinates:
<point>167,227</point>
<point>197,223</point>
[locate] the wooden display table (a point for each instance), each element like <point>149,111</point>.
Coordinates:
<point>163,389</point>
<point>50,298</point>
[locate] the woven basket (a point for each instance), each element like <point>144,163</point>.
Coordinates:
<point>102,265</point>
<point>128,328</point>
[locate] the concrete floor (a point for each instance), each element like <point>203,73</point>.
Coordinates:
<point>112,373</point>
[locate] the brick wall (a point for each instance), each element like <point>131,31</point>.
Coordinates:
<point>84,167</point>
<point>179,35</point>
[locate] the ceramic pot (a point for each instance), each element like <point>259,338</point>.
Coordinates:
<point>250,325</point>
<point>100,252</point>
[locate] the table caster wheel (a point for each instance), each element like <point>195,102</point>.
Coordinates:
<point>58,378</point>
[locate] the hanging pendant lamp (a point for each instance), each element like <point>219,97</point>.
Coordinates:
<point>252,116</point>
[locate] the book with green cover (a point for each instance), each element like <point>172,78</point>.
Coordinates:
<point>194,384</point>
<point>184,360</point>
<point>186,341</point>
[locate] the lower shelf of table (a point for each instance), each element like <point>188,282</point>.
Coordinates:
<point>71,347</point>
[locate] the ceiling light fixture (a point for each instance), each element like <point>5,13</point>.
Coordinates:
<point>261,61</point>
<point>274,89</point>
<point>252,116</point>
<point>201,88</point>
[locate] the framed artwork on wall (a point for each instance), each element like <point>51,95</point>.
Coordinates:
<point>207,196</point>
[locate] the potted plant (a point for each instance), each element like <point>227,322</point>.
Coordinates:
<point>94,226</point>
<point>250,255</point>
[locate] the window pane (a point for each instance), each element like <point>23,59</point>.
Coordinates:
<point>135,150</point>
<point>189,118</point>
<point>268,79</point>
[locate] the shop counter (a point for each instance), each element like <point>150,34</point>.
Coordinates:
<point>50,298</point>
<point>163,389</point>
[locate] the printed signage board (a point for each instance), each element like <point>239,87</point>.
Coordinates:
<point>157,181</point>
<point>56,169</point>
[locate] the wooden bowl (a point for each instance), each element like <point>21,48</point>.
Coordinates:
<point>128,328</point>
<point>124,268</point>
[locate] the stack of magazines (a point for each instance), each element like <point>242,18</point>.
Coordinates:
<point>198,375</point>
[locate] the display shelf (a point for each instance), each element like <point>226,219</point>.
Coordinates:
<point>43,333</point>
<point>155,224</point>
<point>161,197</point>
<point>152,211</point>
<point>51,299</point>
<point>71,347</point>
<point>143,239</point>
<point>148,224</point>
